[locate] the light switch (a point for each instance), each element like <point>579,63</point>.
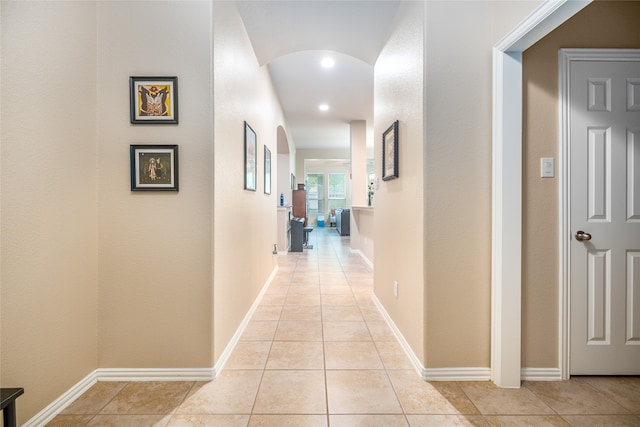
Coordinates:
<point>547,167</point>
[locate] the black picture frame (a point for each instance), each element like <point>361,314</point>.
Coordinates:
<point>390,152</point>
<point>250,158</point>
<point>153,100</point>
<point>267,170</point>
<point>154,167</point>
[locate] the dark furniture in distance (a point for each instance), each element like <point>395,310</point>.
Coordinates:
<point>8,398</point>
<point>343,222</point>
<point>300,203</point>
<point>297,234</point>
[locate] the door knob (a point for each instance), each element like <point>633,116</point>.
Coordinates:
<point>581,236</point>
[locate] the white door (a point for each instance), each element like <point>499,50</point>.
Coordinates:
<point>604,198</point>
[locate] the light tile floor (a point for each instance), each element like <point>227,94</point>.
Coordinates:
<point>318,353</point>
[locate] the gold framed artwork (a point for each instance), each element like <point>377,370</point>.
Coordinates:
<point>154,100</point>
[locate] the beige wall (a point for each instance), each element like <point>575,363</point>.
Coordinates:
<point>603,24</point>
<point>94,275</point>
<point>49,202</point>
<point>155,247</point>
<point>245,224</point>
<point>399,203</point>
<point>437,215</point>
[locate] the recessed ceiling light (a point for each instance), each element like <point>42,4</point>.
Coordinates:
<point>328,62</point>
<point>323,107</point>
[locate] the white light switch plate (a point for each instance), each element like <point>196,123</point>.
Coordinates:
<point>547,167</point>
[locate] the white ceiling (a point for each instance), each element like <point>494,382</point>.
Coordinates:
<point>292,37</point>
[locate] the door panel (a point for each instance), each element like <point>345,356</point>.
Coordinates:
<point>604,147</point>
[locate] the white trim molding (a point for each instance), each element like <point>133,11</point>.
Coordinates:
<point>541,374</point>
<point>432,374</point>
<point>147,374</point>
<point>506,281</point>
<point>363,256</point>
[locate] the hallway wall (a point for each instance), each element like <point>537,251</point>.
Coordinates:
<point>399,203</point>
<point>49,261</point>
<point>155,247</point>
<point>244,221</point>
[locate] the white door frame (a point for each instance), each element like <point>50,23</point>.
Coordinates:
<point>506,259</point>
<point>565,57</point>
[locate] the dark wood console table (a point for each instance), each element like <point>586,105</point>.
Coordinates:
<point>8,398</point>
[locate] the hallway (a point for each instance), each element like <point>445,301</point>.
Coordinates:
<point>318,353</point>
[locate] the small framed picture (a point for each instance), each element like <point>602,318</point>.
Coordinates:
<point>267,170</point>
<point>250,158</point>
<point>154,167</point>
<point>154,100</point>
<point>390,152</point>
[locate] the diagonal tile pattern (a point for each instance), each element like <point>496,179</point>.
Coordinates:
<point>317,353</point>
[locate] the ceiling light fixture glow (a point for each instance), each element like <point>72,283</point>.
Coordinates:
<point>323,107</point>
<point>328,62</point>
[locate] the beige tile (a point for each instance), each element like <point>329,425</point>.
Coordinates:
<point>267,312</point>
<point>209,421</point>
<point>344,289</point>
<point>526,421</point>
<point>393,356</point>
<point>341,313</point>
<point>293,299</point>
<point>623,390</point>
<point>346,331</point>
<point>333,278</point>
<point>260,330</point>
<point>574,397</point>
<point>273,299</point>
<point>291,330</point>
<point>491,400</point>
<point>313,290</point>
<point>296,355</point>
<point>371,314</point>
<point>249,355</point>
<point>148,397</point>
<point>418,396</point>
<point>361,392</point>
<point>291,392</point>
<point>368,421</point>
<point>446,421</point>
<point>603,420</point>
<point>301,312</point>
<point>129,421</point>
<point>380,331</point>
<point>332,299</point>
<point>288,421</point>
<point>452,391</point>
<point>96,398</point>
<point>69,421</point>
<point>233,392</point>
<point>351,355</point>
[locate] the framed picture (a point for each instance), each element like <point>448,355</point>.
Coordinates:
<point>250,158</point>
<point>293,182</point>
<point>390,152</point>
<point>267,170</point>
<point>154,100</point>
<point>154,167</point>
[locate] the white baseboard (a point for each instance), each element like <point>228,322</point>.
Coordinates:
<point>146,374</point>
<point>55,407</point>
<point>433,374</point>
<point>155,374</point>
<point>224,357</point>
<point>456,374</point>
<point>541,374</point>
